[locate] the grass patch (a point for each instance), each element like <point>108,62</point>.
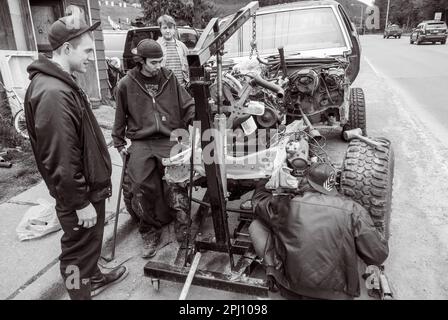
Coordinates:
<point>21,176</point>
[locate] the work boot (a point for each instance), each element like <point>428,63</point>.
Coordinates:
<point>151,241</point>
<point>102,281</point>
<point>82,293</point>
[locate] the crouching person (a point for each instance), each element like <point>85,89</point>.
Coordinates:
<point>310,243</point>
<point>150,105</point>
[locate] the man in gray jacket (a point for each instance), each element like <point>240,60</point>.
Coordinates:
<point>310,243</point>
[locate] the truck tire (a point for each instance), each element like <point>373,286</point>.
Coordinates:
<point>367,178</point>
<point>357,112</point>
<point>127,197</point>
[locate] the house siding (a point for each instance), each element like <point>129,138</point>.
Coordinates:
<point>99,45</point>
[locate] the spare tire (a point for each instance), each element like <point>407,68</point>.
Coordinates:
<point>367,177</point>
<point>357,112</point>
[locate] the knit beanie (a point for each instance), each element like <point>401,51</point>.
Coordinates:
<point>148,48</point>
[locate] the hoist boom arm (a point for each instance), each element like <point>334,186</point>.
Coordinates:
<point>209,44</point>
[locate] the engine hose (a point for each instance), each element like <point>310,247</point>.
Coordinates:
<point>263,62</point>
<point>281,52</point>
<point>257,80</point>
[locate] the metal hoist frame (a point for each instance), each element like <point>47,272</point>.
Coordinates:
<point>211,43</point>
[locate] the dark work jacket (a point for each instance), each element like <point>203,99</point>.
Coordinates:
<point>140,115</point>
<point>317,238</point>
<point>68,145</point>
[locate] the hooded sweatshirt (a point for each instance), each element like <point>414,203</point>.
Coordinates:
<point>141,115</point>
<point>69,147</point>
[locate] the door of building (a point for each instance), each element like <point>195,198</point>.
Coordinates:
<point>44,13</point>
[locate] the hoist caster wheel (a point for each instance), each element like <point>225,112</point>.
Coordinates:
<point>155,284</point>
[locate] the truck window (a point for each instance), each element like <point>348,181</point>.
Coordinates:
<point>295,30</point>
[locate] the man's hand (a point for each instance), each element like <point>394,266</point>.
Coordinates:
<point>87,216</point>
<point>123,152</point>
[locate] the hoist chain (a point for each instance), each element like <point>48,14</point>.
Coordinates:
<point>253,43</point>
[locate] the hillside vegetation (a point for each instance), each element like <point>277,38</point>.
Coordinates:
<point>118,14</point>
<point>222,7</point>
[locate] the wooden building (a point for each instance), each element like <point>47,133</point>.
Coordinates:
<point>24,28</point>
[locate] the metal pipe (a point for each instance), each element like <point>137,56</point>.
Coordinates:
<point>257,80</point>
<point>220,149</point>
<point>190,195</point>
<point>117,211</point>
<point>219,79</point>
<point>206,204</point>
<point>193,268</point>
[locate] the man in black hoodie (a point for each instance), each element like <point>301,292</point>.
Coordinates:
<point>71,154</point>
<point>151,104</point>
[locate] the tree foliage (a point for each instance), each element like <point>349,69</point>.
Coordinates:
<point>195,13</point>
<point>408,13</point>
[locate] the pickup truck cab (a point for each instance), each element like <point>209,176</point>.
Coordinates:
<point>188,35</point>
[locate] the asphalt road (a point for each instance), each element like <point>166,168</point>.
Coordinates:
<point>418,72</point>
<point>406,97</point>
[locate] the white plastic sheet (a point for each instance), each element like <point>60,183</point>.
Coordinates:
<point>38,221</point>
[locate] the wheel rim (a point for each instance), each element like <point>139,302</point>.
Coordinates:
<point>20,124</point>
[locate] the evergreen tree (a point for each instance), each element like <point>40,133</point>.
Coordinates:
<point>195,13</point>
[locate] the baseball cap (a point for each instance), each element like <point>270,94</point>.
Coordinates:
<point>322,177</point>
<point>67,28</point>
<point>148,48</point>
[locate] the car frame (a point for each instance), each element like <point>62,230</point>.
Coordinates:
<point>422,33</point>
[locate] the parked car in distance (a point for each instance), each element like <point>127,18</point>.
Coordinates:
<point>188,35</point>
<point>429,31</point>
<point>393,30</point>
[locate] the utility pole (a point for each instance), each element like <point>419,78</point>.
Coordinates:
<point>362,22</point>
<point>361,26</point>
<point>387,13</point>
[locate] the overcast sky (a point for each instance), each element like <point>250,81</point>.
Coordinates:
<point>368,2</point>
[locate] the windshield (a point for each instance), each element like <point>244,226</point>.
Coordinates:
<point>144,34</point>
<point>295,30</point>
